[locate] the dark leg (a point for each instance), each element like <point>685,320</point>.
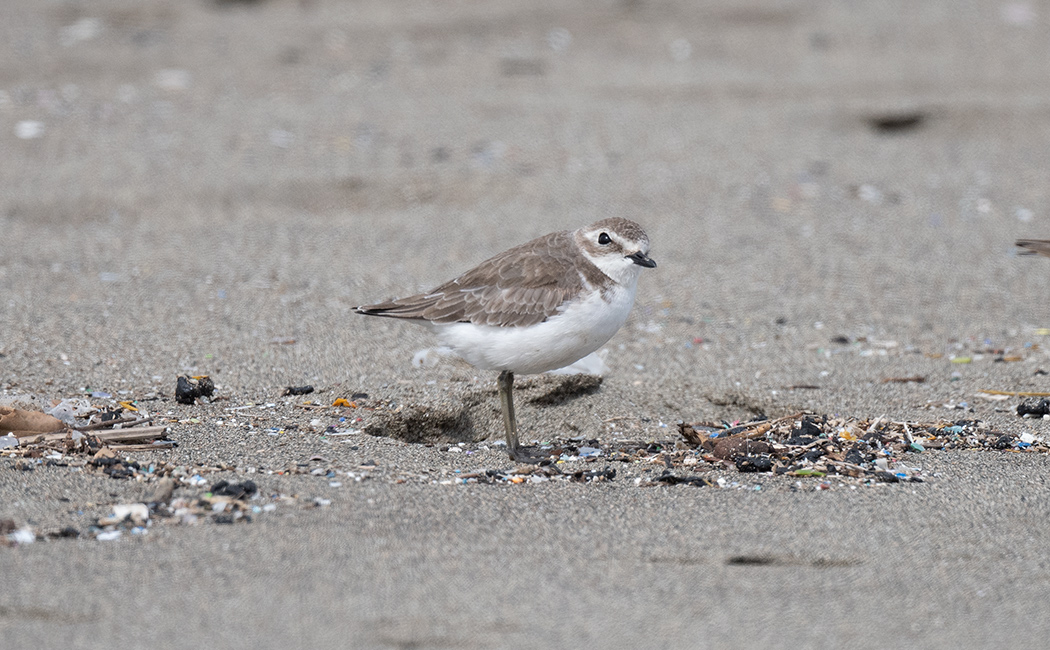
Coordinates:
<point>506,400</point>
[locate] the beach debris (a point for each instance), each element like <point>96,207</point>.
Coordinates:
<point>598,475</point>
<point>1034,408</point>
<point>234,490</point>
<point>532,474</point>
<point>162,492</point>
<point>297,390</point>
<point>897,122</point>
<point>90,441</point>
<point>1014,393</point>
<point>18,422</point>
<point>916,379</point>
<point>668,478</point>
<point>188,389</point>
<point>810,445</point>
<point>21,536</point>
<point>69,410</point>
<point>225,502</point>
<point>81,429</point>
<point>13,535</point>
<point>67,532</point>
<point>136,513</point>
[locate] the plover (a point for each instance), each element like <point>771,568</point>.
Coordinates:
<point>539,306</point>
<point>1033,246</point>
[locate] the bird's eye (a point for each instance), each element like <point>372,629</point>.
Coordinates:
<point>604,239</point>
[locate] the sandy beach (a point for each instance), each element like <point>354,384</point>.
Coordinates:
<point>832,191</point>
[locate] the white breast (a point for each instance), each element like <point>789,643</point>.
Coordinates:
<point>584,326</point>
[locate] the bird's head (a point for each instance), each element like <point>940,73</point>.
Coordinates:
<point>617,246</point>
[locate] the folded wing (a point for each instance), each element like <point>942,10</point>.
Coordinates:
<point>521,286</point>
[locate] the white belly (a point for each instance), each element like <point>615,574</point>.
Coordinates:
<point>563,339</point>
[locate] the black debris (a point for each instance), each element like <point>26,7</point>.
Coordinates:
<point>188,389</point>
<point>856,457</point>
<point>896,123</point>
<point>761,463</point>
<point>668,478</point>
<point>235,490</point>
<point>68,532</point>
<point>581,476</point>
<point>1034,407</point>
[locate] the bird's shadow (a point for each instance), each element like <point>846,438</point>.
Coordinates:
<point>559,389</point>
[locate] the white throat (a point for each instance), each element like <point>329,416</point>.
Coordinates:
<point>622,270</point>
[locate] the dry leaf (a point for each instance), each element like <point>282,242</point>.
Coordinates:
<point>27,423</point>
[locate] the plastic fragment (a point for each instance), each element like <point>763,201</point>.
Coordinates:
<point>808,472</point>
<point>22,536</point>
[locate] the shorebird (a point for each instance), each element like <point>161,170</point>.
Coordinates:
<point>537,307</point>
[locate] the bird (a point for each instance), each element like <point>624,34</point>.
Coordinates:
<point>1034,246</point>
<point>539,306</point>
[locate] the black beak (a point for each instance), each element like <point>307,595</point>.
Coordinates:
<point>641,259</point>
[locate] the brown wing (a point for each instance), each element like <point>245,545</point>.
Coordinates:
<point>521,286</point>
<point>1033,246</point>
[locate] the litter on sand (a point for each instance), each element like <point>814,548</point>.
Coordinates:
<point>818,445</point>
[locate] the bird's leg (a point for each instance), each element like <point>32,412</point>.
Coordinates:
<point>506,400</point>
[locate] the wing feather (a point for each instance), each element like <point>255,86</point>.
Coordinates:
<point>522,286</point>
